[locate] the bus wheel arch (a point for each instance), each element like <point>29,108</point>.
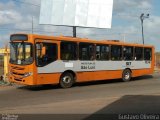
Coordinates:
<point>67,79</point>
<point>126,74</point>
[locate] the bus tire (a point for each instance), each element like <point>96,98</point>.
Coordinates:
<point>66,80</point>
<point>126,75</point>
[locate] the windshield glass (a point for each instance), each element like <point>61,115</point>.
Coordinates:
<point>21,53</point>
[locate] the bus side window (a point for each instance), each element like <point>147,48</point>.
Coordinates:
<point>147,54</point>
<point>116,52</point>
<point>127,53</point>
<point>51,53</point>
<point>102,52</point>
<point>68,50</point>
<point>86,51</point>
<point>138,53</point>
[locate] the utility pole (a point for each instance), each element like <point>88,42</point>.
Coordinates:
<point>124,37</point>
<point>74,31</point>
<point>142,17</point>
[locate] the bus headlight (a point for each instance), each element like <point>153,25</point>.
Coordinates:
<point>28,74</point>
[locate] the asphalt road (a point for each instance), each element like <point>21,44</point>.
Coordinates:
<point>141,95</point>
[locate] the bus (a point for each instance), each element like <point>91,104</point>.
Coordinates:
<point>39,60</point>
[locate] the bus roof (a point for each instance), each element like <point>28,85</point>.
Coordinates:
<point>77,39</point>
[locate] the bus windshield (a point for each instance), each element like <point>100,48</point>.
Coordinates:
<point>21,53</point>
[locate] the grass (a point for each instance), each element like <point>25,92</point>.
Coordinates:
<point>2,82</point>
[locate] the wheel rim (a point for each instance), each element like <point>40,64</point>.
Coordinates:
<point>127,75</point>
<point>66,79</point>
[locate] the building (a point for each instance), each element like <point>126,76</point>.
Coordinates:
<point>5,52</point>
<point>157,59</point>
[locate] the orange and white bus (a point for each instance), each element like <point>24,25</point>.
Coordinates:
<point>39,60</point>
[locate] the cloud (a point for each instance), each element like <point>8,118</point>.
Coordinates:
<point>122,6</point>
<point>9,17</point>
<point>153,24</point>
<point>126,23</point>
<point>10,5</point>
<point>33,2</point>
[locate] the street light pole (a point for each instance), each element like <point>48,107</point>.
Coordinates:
<point>32,24</point>
<point>142,17</point>
<point>142,27</point>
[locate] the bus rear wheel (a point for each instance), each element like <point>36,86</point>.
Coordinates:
<point>126,76</point>
<point>66,80</point>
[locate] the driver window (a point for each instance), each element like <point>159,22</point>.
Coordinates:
<point>50,53</point>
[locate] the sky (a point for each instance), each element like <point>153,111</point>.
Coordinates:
<point>16,17</point>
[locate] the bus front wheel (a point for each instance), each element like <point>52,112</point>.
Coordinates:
<point>66,80</point>
<point>126,76</point>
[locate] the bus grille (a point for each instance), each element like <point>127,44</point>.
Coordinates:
<point>17,79</point>
<point>15,73</point>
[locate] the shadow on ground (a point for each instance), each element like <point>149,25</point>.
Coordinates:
<point>146,77</point>
<point>129,104</point>
<point>115,81</point>
<point>39,87</point>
